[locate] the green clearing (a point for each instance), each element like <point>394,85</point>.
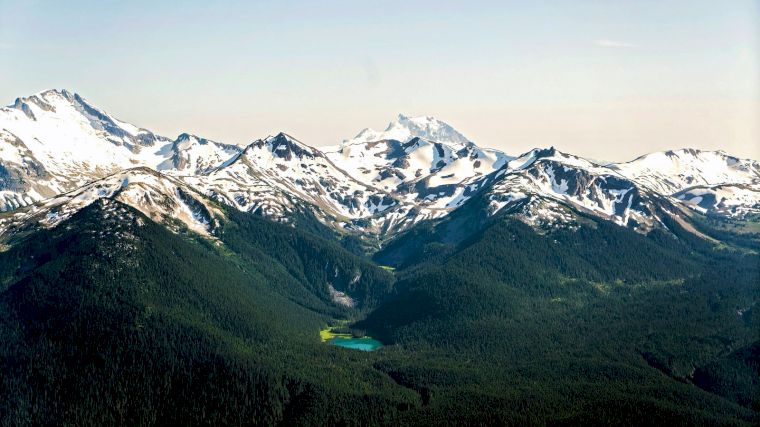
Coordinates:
<point>332,332</point>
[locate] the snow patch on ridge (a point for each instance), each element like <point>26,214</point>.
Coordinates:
<point>161,198</point>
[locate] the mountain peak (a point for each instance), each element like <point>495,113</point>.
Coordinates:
<point>45,98</point>
<point>191,138</point>
<point>63,103</point>
<point>551,154</point>
<point>60,92</point>
<point>282,136</point>
<point>405,128</point>
<point>285,147</point>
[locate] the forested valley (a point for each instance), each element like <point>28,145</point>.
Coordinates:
<point>110,318</point>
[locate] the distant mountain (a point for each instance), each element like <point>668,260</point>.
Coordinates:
<point>56,141</point>
<point>274,175</point>
<point>377,187</point>
<point>669,172</point>
<point>371,186</point>
<point>546,186</point>
<point>707,181</point>
<point>193,155</point>
<point>162,198</point>
<point>728,200</point>
<point>421,160</point>
<point>404,129</point>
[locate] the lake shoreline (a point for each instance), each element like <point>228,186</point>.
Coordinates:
<point>347,340</point>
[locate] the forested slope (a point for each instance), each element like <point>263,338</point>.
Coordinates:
<point>112,319</point>
<point>593,326</point>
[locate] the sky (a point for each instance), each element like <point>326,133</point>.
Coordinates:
<point>609,80</point>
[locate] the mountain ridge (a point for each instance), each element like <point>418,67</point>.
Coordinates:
<point>374,185</point>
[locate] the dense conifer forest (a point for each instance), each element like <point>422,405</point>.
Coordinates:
<point>111,318</point>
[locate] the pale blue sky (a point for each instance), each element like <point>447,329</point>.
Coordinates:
<point>606,79</point>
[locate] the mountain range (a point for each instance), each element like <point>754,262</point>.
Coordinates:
<point>150,280</point>
<point>374,185</point>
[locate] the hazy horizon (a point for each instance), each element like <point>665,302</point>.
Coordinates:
<point>607,81</point>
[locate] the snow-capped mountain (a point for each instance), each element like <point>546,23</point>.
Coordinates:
<point>731,200</point>
<point>404,128</point>
<point>58,152</point>
<point>669,172</point>
<point>374,187</point>
<point>278,175</point>
<point>541,185</point>
<point>162,198</point>
<point>56,141</point>
<point>193,155</point>
<point>420,160</point>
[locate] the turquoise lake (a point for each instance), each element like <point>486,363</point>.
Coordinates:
<point>363,344</point>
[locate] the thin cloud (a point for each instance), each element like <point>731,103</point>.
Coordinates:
<point>614,44</point>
